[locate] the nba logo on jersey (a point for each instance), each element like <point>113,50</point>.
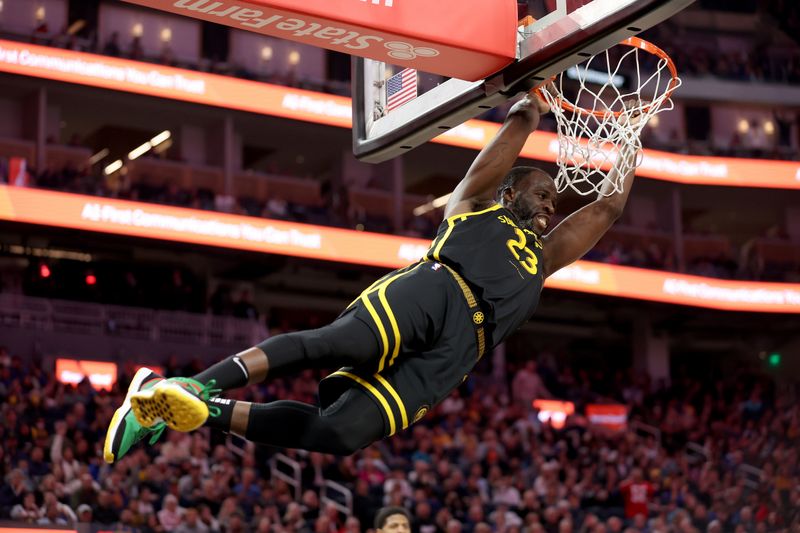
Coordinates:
<point>436,266</point>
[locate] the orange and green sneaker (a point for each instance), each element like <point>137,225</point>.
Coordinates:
<point>124,430</point>
<point>180,403</point>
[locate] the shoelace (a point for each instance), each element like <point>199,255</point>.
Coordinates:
<point>157,430</point>
<point>207,392</point>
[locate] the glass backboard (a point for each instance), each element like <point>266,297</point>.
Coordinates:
<point>396,109</point>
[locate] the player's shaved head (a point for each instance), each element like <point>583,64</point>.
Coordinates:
<point>518,174</point>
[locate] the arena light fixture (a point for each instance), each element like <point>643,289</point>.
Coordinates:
<point>76,26</point>
<point>160,138</point>
<point>39,14</point>
<point>99,156</point>
<point>595,76</point>
<point>137,30</point>
<point>139,151</point>
<point>113,167</point>
<point>166,35</point>
<point>266,53</point>
<point>430,206</point>
<point>743,126</point>
<point>142,149</point>
<point>769,127</point>
<point>294,58</point>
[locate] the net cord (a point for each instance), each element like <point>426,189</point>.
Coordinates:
<point>598,145</point>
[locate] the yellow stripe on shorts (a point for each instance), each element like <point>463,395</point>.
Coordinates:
<point>376,393</point>
<point>396,397</point>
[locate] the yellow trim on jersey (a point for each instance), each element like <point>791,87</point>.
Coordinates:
<point>450,225</point>
<point>368,289</point>
<point>451,222</point>
<point>376,393</point>
<point>463,216</point>
<point>396,397</point>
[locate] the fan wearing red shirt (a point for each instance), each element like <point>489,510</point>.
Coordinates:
<point>637,493</point>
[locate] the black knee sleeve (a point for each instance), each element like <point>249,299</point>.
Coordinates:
<point>345,342</point>
<point>351,423</point>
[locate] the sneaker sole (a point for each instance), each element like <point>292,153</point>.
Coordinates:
<point>171,404</point>
<point>121,413</point>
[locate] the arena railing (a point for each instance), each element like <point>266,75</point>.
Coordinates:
<point>341,499</point>
<point>696,453</point>
<point>278,463</point>
<point>750,475</point>
<point>641,429</point>
<point>58,316</point>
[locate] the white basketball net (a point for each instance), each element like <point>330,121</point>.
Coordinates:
<point>598,136</point>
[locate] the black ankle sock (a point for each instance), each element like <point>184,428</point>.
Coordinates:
<point>230,373</point>
<point>221,422</point>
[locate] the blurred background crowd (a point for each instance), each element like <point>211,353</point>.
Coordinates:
<point>700,455</point>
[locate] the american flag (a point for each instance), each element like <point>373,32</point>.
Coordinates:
<point>401,88</point>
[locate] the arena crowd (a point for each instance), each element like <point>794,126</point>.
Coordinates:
<point>720,455</point>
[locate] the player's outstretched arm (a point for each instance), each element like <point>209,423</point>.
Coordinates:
<point>477,189</point>
<point>579,232</point>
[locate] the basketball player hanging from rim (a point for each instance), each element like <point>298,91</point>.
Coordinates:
<point>410,338</point>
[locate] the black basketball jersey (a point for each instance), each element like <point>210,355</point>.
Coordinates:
<point>501,261</point>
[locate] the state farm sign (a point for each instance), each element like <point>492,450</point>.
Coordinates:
<point>466,39</point>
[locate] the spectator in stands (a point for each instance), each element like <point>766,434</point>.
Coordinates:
<point>528,386</point>
<point>471,460</point>
<point>637,494</point>
<point>170,515</point>
<point>136,51</point>
<point>393,520</point>
<point>41,33</point>
<point>111,47</point>
<point>244,308</point>
<point>167,57</point>
<point>27,510</point>
<point>191,523</point>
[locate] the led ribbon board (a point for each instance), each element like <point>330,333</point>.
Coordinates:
<point>207,228</point>
<point>319,108</point>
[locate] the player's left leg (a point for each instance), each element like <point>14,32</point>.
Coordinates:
<point>352,422</point>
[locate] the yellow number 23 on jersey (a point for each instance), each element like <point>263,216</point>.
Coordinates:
<point>519,248</point>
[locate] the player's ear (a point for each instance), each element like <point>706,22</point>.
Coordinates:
<point>508,194</point>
